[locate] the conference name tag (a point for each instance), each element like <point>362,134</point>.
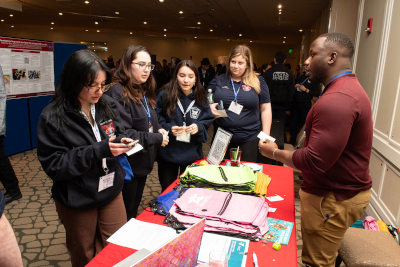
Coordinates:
<point>106,181</point>
<point>235,107</point>
<point>184,137</point>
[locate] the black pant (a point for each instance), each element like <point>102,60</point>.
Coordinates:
<point>280,113</point>
<point>132,193</point>
<point>298,115</point>
<point>168,172</point>
<point>7,174</point>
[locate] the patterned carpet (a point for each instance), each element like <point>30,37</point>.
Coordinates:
<point>34,219</point>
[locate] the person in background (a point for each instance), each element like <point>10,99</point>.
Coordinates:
<point>167,69</point>
<point>301,104</point>
<point>334,162</point>
<point>183,110</point>
<point>10,255</point>
<point>79,137</point>
<point>245,98</point>
<point>7,174</point>
<point>133,90</point>
<point>206,73</point>
<point>264,68</point>
<point>161,75</point>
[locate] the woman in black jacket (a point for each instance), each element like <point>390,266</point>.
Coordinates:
<point>78,141</point>
<point>183,110</point>
<point>133,90</point>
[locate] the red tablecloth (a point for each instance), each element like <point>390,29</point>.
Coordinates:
<point>282,184</point>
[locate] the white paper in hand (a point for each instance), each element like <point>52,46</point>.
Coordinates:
<point>134,149</point>
<point>263,136</point>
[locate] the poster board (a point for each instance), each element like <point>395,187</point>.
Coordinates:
<point>28,67</point>
<point>219,146</point>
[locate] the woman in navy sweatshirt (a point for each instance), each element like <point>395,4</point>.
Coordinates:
<point>133,91</point>
<point>183,110</point>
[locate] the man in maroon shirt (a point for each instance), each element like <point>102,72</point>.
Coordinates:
<point>335,159</point>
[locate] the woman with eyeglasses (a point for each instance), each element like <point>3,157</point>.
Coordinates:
<point>79,137</point>
<point>246,99</point>
<point>133,89</point>
<point>183,110</point>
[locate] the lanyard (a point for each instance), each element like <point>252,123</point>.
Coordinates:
<point>234,91</point>
<point>96,132</point>
<point>341,74</point>
<point>304,81</point>
<point>146,108</point>
<point>185,112</point>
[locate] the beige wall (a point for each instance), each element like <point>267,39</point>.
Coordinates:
<point>343,17</point>
<point>161,47</point>
<point>378,70</point>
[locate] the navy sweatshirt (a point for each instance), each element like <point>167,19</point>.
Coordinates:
<point>134,119</point>
<point>181,152</point>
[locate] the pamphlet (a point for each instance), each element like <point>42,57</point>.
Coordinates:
<point>279,230</point>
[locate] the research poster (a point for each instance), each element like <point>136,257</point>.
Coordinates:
<point>28,67</point>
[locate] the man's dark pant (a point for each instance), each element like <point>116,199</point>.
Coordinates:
<point>280,113</point>
<point>7,174</point>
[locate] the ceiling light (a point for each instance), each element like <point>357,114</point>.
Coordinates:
<point>199,22</point>
<point>240,34</point>
<point>279,6</point>
<point>165,30</point>
<point>11,15</point>
<point>98,30</point>
<point>2,20</point>
<point>161,1</point>
<point>93,46</point>
<point>52,23</point>
<point>280,10</point>
<point>96,22</point>
<point>92,43</point>
<point>86,2</point>
<point>86,30</point>
<point>211,30</point>
<point>116,13</point>
<point>300,30</point>
<point>228,40</point>
<point>12,26</point>
<point>284,37</point>
<point>165,35</point>
<point>144,22</point>
<point>94,50</point>
<point>280,13</point>
<point>130,33</point>
<point>283,41</point>
<point>51,28</point>
<point>181,12</point>
<point>195,37</point>
<point>60,14</point>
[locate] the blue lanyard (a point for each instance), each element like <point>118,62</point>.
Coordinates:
<point>341,74</point>
<point>304,81</point>
<point>146,108</point>
<point>234,91</point>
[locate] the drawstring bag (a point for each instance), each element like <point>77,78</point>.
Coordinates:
<point>162,204</point>
<point>123,161</point>
<point>370,223</point>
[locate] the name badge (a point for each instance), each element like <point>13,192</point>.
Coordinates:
<point>106,181</point>
<point>150,127</point>
<point>235,107</point>
<point>184,137</point>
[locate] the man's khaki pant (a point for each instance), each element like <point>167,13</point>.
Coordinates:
<point>324,222</point>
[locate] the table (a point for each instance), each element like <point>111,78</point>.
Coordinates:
<point>282,184</point>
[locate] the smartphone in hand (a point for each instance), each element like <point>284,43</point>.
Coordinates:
<point>131,143</point>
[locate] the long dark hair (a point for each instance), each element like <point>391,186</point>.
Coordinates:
<point>80,70</point>
<point>171,94</point>
<point>123,75</point>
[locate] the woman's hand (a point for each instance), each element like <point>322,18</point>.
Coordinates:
<point>192,129</point>
<point>177,130</point>
<point>165,140</point>
<point>213,108</point>
<point>119,148</point>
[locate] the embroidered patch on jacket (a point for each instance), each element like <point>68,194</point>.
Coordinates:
<point>194,113</point>
<point>108,127</point>
<point>225,87</point>
<point>246,87</point>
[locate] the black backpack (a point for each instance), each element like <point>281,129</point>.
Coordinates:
<point>280,87</point>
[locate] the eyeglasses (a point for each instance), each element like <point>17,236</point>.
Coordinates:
<point>95,89</point>
<point>143,65</point>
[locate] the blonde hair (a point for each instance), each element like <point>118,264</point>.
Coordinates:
<point>249,76</point>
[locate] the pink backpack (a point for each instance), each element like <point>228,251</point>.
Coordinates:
<point>370,223</point>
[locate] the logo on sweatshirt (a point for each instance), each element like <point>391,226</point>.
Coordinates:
<point>108,127</point>
<point>194,113</point>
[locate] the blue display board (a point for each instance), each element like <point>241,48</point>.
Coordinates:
<point>36,105</point>
<point>61,53</point>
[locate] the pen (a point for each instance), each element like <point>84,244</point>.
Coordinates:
<point>255,259</point>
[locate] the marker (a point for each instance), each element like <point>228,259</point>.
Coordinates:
<point>255,259</point>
